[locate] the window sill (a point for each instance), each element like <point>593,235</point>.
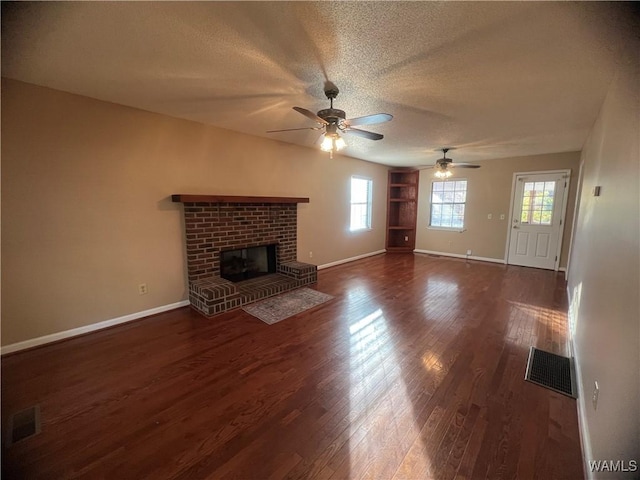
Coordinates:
<point>448,229</point>
<point>357,230</point>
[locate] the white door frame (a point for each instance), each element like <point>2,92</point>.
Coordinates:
<point>567,174</point>
<point>576,208</point>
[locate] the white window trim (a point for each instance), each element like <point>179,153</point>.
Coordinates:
<point>447,229</point>
<point>369,204</point>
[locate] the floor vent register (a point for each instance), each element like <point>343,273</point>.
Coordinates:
<point>551,371</point>
<point>23,424</point>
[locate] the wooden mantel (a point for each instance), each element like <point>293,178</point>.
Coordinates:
<point>182,198</point>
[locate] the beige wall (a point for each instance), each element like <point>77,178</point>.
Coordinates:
<point>604,277</point>
<point>86,214</point>
<point>489,192</point>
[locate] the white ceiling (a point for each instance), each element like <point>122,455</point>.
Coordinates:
<point>492,79</point>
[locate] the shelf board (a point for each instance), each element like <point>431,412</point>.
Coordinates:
<point>403,184</point>
<point>182,198</point>
<point>400,227</point>
<point>402,199</point>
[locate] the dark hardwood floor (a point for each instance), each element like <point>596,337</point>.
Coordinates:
<point>415,370</point>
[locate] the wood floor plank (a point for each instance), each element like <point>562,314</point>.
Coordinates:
<point>414,370</point>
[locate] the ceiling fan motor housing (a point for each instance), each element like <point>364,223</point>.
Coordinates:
<point>332,115</point>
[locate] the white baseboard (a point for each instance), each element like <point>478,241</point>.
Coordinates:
<point>351,259</point>
<point>54,337</point>
<point>458,255</point>
<point>583,427</point>
<point>582,420</point>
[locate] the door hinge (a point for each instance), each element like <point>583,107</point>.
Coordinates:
<point>556,259</point>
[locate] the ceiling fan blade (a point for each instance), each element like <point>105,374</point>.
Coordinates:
<point>369,119</point>
<point>293,129</point>
<point>464,165</point>
<point>364,134</point>
<point>310,115</point>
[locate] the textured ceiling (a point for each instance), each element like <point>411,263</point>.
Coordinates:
<point>491,79</point>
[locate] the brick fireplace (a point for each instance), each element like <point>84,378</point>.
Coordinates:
<point>214,224</point>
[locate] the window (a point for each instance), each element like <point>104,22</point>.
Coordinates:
<point>360,203</point>
<point>448,200</point>
<point>537,203</point>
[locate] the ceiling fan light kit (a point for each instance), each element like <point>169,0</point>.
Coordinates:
<point>332,141</point>
<point>442,172</point>
<point>334,122</point>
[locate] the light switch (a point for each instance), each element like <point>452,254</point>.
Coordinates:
<point>502,216</point>
<point>490,216</point>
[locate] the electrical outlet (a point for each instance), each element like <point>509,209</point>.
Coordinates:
<point>502,216</point>
<point>490,216</point>
<point>142,289</point>
<point>468,252</point>
<point>596,394</point>
<point>310,254</point>
<point>406,238</point>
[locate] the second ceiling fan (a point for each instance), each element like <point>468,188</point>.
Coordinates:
<point>444,164</point>
<point>334,122</point>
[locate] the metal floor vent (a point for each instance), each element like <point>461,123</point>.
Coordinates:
<point>23,424</point>
<point>552,371</point>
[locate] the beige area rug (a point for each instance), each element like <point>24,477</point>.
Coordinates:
<point>275,309</point>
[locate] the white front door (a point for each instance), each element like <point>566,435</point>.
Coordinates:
<point>537,220</point>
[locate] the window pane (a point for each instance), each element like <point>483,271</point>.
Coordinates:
<point>460,197</point>
<point>359,190</point>
<point>358,216</point>
<point>436,216</point>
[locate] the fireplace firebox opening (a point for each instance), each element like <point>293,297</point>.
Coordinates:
<point>245,263</point>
